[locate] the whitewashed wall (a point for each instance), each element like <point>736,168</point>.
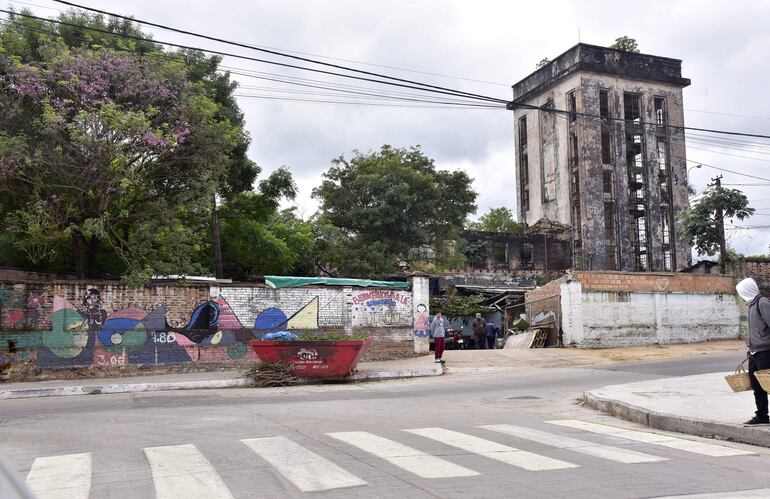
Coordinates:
<point>613,319</point>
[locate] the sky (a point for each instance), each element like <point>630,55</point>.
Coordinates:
<point>482,47</point>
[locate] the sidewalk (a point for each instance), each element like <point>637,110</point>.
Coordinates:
<point>702,405</point>
<point>231,378</point>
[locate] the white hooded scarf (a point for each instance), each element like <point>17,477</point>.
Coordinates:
<point>747,289</point>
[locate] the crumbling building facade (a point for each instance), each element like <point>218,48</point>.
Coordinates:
<point>599,147</point>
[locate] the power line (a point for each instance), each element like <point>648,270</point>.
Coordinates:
<point>277,53</point>
<point>374,104</point>
<point>423,88</point>
<point>728,154</point>
<point>513,105</point>
<point>383,95</point>
<point>598,128</point>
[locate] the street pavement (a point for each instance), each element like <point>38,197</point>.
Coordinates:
<point>498,424</point>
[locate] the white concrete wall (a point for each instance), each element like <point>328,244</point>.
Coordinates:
<point>421,313</point>
<point>614,319</point>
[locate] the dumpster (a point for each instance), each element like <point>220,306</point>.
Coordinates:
<point>314,358</point>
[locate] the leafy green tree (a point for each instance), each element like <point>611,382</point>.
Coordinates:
<point>387,205</point>
<point>497,220</point>
<point>625,44</point>
<point>257,239</point>
<point>141,238</point>
<point>700,224</point>
<point>96,143</point>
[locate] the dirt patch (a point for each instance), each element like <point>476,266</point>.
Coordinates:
<point>659,352</point>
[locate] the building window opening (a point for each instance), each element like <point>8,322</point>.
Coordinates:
<point>500,249</point>
<point>604,103</point>
<point>523,165</point>
<point>525,257</point>
<point>572,106</point>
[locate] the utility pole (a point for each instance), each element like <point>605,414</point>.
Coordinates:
<point>719,219</point>
<point>220,273</point>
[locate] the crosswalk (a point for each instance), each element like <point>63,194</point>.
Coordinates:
<point>182,471</point>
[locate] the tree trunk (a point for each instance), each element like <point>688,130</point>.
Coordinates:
<point>93,249</point>
<point>78,245</point>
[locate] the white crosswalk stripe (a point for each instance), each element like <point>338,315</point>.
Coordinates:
<point>182,472</point>
<point>308,471</point>
<point>735,494</point>
<point>509,455</point>
<point>625,456</point>
<point>61,477</point>
<point>403,456</point>
<point>647,437</point>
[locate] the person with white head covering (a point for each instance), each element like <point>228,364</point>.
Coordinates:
<point>758,342</point>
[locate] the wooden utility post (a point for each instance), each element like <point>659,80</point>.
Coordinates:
<point>719,219</point>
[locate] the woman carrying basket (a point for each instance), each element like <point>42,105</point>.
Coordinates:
<point>758,342</point>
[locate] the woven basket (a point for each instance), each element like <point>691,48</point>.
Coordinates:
<point>740,381</point>
<point>763,377</point>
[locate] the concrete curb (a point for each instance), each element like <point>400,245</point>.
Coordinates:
<point>63,391</point>
<point>709,429</point>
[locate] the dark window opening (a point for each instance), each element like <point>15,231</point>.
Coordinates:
<point>572,106</point>
<point>525,256</point>
<point>660,111</point>
<point>500,249</point>
<point>604,104</point>
<point>523,165</point>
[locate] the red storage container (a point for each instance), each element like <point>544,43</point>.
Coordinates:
<point>332,358</point>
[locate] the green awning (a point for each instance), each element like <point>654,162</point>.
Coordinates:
<point>276,281</point>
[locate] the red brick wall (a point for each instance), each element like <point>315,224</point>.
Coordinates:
<point>759,270</point>
<point>655,282</point>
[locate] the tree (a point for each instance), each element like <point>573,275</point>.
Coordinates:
<point>701,225</point>
<point>25,41</point>
<point>497,220</point>
<point>388,204</point>
<point>257,239</point>
<point>543,62</point>
<point>98,146</point>
<point>625,44</point>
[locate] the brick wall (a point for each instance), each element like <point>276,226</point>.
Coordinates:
<point>759,270</point>
<point>60,324</point>
<point>655,282</point>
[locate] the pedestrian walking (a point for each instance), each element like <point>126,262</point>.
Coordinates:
<point>491,333</point>
<point>758,342</point>
<point>438,327</point>
<point>479,327</point>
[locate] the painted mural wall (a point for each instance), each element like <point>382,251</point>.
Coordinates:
<point>66,324</point>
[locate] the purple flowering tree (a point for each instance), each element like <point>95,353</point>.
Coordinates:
<point>105,148</point>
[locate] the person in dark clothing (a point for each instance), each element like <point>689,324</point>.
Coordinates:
<point>758,342</point>
<point>491,332</point>
<point>479,326</point>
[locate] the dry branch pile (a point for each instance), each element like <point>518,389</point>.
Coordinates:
<point>267,374</point>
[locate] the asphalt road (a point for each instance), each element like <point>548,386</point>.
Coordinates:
<point>430,437</point>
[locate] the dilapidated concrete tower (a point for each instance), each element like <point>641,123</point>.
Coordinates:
<point>598,148</point>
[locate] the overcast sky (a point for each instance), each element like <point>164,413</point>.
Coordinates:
<point>723,46</point>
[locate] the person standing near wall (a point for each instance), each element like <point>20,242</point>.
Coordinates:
<point>479,328</point>
<point>438,328</point>
<point>758,342</point>
<point>491,333</point>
